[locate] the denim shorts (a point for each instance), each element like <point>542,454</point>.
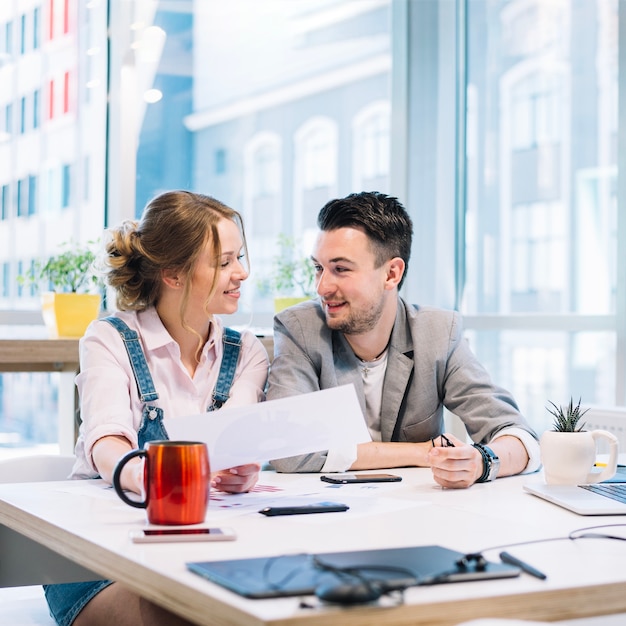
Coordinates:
<point>67,600</point>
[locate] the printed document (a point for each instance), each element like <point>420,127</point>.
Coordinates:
<point>256,433</point>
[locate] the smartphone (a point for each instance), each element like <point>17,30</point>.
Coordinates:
<point>317,507</point>
<point>163,535</point>
<point>344,479</point>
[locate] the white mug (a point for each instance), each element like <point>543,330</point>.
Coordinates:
<point>569,458</point>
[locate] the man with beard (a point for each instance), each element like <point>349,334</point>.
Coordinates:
<point>406,362</point>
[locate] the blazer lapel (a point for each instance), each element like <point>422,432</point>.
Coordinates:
<point>398,375</point>
<point>346,368</point>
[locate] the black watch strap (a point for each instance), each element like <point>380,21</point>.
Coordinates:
<point>491,463</point>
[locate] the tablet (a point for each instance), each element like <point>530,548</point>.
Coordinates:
<point>297,574</point>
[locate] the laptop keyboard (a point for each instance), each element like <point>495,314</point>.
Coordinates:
<point>615,491</point>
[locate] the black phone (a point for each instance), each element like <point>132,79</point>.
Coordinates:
<point>345,479</point>
<point>316,507</point>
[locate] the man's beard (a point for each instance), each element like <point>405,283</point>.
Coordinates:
<point>359,323</point>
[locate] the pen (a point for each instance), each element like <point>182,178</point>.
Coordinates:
<point>529,569</point>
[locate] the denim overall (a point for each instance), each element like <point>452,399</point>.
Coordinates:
<point>66,600</point>
<point>152,428</point>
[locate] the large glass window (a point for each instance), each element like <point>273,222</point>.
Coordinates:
<point>496,123</point>
<point>273,107</point>
<point>541,221</point>
<point>47,126</point>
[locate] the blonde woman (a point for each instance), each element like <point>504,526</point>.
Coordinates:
<point>173,272</point>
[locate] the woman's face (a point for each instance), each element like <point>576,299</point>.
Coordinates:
<point>231,272</point>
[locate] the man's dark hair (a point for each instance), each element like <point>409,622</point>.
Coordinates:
<point>382,218</point>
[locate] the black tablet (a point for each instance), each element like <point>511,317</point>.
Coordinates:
<point>300,574</point>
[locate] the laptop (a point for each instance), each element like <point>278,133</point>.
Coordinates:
<point>606,498</point>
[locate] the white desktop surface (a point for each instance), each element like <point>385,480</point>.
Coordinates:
<point>89,525</point>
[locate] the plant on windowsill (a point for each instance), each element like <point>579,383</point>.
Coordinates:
<point>568,451</point>
<point>292,278</point>
<point>69,285</point>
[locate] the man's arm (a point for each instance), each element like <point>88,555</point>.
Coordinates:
<point>386,455</point>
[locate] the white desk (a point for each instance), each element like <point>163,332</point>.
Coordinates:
<point>89,526</point>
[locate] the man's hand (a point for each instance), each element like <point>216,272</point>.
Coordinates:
<point>457,466</point>
<point>236,479</point>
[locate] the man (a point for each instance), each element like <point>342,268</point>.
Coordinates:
<point>406,362</point>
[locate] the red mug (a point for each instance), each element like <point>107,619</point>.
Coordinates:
<point>176,481</point>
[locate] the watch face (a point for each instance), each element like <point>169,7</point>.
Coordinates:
<point>494,463</point>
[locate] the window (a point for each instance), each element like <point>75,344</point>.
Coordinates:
<point>36,27</point>
<point>541,210</point>
<point>5,198</point>
<point>269,128</point>
<point>59,15</point>
<point>44,171</point>
<point>66,185</point>
<point>51,18</point>
<point>6,268</point>
<point>508,161</point>
<point>372,147</point>
<point>536,110</point>
<point>22,34</point>
<point>8,119</point>
<point>66,17</point>
<point>262,157</point>
<point>316,154</point>
<point>8,38</point>
<point>36,107</point>
<point>66,92</point>
<point>22,197</point>
<point>32,195</point>
<point>538,260</point>
<point>22,115</point>
<point>51,108</point>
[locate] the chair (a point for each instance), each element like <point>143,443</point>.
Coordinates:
<point>26,606</point>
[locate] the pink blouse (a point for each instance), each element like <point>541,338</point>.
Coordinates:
<point>109,400</point>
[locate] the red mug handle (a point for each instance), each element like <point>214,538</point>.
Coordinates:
<point>117,476</point>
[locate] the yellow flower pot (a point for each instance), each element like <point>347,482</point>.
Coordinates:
<point>69,314</point>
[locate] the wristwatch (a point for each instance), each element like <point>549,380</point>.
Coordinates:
<point>491,463</point>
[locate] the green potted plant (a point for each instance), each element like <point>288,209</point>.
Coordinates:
<point>566,418</point>
<point>69,284</point>
<point>568,452</point>
<point>293,277</point>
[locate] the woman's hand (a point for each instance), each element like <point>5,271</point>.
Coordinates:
<point>236,479</point>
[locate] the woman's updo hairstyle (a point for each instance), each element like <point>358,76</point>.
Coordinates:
<point>172,232</point>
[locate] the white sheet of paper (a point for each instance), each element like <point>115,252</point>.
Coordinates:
<point>275,429</point>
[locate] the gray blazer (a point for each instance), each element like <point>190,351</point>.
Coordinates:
<point>429,366</point>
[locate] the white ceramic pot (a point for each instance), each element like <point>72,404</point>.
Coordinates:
<point>568,458</point>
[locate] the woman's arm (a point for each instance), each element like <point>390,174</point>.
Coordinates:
<point>106,452</point>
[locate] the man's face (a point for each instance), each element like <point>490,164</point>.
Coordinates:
<point>351,288</point>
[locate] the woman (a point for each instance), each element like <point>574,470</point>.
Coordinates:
<point>172,272</point>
